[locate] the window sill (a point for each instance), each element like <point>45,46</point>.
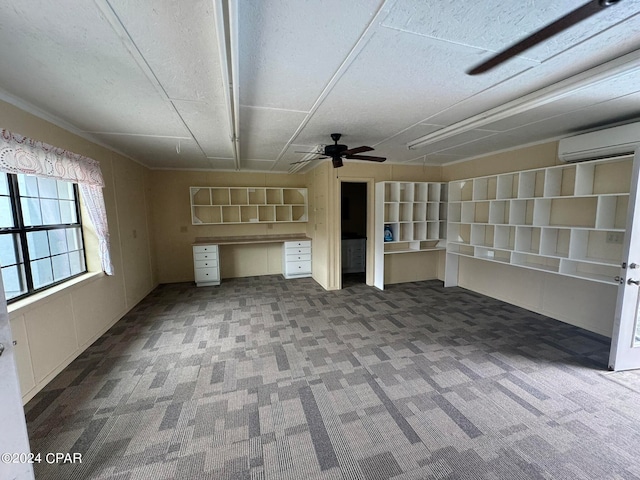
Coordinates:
<point>52,293</point>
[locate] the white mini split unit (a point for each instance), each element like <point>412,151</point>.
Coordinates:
<point>610,142</point>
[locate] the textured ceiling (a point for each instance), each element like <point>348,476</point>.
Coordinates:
<point>246,84</point>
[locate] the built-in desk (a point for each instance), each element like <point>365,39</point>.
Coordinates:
<point>296,255</point>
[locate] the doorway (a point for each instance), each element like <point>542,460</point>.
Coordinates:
<point>353,232</point>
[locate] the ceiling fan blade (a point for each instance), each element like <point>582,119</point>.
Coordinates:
<point>366,157</point>
<point>309,160</point>
<point>570,19</point>
<point>353,151</point>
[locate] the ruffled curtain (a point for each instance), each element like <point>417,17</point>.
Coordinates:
<point>19,154</point>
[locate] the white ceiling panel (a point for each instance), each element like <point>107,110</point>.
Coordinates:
<point>111,67</point>
<point>265,132</point>
<point>179,44</point>
<point>159,152</point>
<point>222,163</point>
<point>622,109</point>
<point>596,94</point>
<point>497,25</point>
<point>66,59</point>
<point>209,126</point>
<point>435,159</point>
<point>382,89</point>
<point>290,49</point>
<point>395,148</point>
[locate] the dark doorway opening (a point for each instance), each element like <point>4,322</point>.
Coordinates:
<point>354,233</point>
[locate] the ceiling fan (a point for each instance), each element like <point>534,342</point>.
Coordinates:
<point>569,20</point>
<point>338,152</point>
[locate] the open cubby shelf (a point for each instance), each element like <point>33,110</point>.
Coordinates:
<point>566,219</point>
<point>415,213</point>
<point>231,205</point>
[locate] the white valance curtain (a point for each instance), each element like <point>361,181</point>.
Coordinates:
<point>19,154</point>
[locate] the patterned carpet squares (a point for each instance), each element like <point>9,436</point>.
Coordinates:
<point>266,378</point>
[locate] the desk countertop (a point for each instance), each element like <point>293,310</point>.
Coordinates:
<point>249,239</point>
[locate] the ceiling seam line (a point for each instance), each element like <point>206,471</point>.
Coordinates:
<point>460,44</point>
<point>366,36</point>
<point>121,31</point>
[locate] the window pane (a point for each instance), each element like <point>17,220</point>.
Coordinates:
<point>38,245</point>
<point>6,213</point>
<point>47,187</point>
<point>65,190</point>
<point>76,259</point>
<point>41,272</point>
<point>4,184</point>
<point>31,211</point>
<point>61,268</point>
<point>28,186</point>
<point>74,238</point>
<point>57,241</point>
<point>13,280</point>
<point>8,250</point>
<point>68,211</point>
<point>50,212</point>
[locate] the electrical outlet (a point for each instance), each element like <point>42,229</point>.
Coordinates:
<point>615,237</point>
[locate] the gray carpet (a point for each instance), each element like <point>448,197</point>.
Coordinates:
<point>263,378</point>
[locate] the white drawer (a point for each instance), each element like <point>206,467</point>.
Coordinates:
<point>205,249</point>
<point>294,268</point>
<point>297,257</point>
<point>206,274</point>
<point>297,250</point>
<point>300,243</point>
<point>206,263</point>
<point>206,256</point>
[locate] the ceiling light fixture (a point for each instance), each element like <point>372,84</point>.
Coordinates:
<point>619,67</point>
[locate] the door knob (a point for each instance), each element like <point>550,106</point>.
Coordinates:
<point>633,265</point>
<point>632,281</point>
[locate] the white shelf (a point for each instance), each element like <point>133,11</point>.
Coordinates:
<point>564,219</point>
<point>416,213</point>
<point>234,205</point>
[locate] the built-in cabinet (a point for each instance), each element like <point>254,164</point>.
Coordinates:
<point>354,254</point>
<point>409,217</point>
<point>296,259</point>
<point>206,265</point>
<point>231,205</point>
<point>567,219</point>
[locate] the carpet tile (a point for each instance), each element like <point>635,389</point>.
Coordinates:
<point>263,378</point>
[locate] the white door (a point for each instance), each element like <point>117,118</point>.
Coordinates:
<point>14,442</point>
<point>625,341</point>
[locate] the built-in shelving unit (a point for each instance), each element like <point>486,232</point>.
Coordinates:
<point>567,219</point>
<point>416,214</point>
<point>228,205</point>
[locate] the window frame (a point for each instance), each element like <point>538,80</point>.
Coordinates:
<point>21,231</point>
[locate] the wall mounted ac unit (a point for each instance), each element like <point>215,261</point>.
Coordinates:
<point>601,144</point>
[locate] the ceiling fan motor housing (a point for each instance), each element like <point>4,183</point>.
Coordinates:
<point>332,150</point>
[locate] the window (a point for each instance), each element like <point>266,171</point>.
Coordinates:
<point>41,241</point>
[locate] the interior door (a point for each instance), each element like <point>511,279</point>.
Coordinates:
<point>14,442</point>
<point>625,341</point>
